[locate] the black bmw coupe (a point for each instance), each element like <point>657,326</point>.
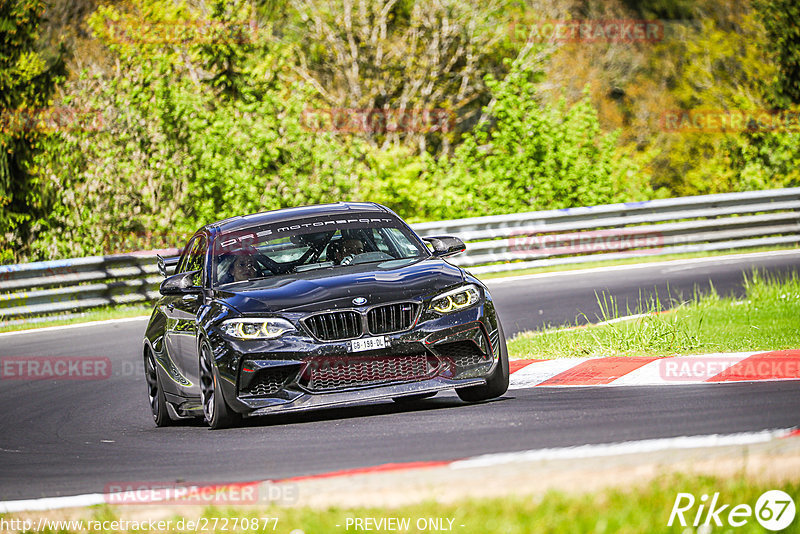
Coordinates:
<point>313,307</point>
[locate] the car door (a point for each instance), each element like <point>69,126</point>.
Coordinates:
<point>181,312</point>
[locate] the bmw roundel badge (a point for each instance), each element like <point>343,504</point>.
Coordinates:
<point>359,301</point>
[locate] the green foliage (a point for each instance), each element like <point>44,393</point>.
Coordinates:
<point>783,31</point>
<point>719,69</point>
<point>532,156</point>
<point>399,180</point>
<point>198,111</point>
<point>194,134</point>
<point>413,55</point>
<point>27,80</point>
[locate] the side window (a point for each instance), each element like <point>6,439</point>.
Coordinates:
<point>181,267</point>
<point>194,259</point>
<point>405,247</point>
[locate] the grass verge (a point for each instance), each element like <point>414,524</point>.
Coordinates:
<point>642,509</point>
<point>768,318</point>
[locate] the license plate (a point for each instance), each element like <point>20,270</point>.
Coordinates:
<point>367,343</point>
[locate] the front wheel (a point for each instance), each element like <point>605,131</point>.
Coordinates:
<point>497,383</point>
<point>216,411</point>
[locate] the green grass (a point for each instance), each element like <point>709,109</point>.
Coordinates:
<point>631,261</point>
<point>98,314</point>
<point>642,509</point>
<point>768,318</point>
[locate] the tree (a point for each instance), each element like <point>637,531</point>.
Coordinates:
<point>780,18</point>
<point>28,79</point>
<point>201,122</point>
<point>418,61</point>
<point>530,155</point>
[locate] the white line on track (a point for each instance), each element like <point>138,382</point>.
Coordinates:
<point>667,263</point>
<point>52,503</point>
<point>628,447</point>
<point>76,325</point>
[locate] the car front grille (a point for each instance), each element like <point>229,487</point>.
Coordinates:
<point>335,326</point>
<point>391,318</point>
<point>348,324</point>
<point>325,374</point>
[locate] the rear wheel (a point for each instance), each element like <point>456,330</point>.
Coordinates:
<point>158,402</point>
<point>497,383</point>
<point>216,411</point>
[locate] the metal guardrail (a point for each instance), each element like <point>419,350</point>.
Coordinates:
<point>728,221</point>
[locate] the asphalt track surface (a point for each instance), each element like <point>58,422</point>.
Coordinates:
<point>71,437</point>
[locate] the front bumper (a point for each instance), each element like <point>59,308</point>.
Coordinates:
<point>297,372</point>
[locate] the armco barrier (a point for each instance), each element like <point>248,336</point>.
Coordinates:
<point>728,221</point>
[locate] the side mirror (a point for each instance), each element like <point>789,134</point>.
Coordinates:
<point>444,245</point>
<point>166,266</point>
<point>180,284</point>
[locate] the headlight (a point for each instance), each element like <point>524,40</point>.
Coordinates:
<point>266,328</point>
<point>456,299</point>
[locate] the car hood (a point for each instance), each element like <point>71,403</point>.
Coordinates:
<point>336,287</point>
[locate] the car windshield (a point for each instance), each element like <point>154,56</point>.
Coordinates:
<point>310,244</point>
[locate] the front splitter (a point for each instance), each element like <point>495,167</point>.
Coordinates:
<point>315,401</point>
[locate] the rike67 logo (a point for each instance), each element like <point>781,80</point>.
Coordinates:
<point>774,510</point>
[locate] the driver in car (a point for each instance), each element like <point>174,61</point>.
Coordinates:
<point>348,248</point>
<point>244,267</point>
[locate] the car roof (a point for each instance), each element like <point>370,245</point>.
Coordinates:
<point>288,214</point>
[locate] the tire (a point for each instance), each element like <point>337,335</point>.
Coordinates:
<point>410,399</point>
<point>155,391</point>
<point>497,383</point>
<point>216,411</point>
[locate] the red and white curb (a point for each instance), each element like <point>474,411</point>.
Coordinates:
<point>156,496</point>
<point>652,371</point>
